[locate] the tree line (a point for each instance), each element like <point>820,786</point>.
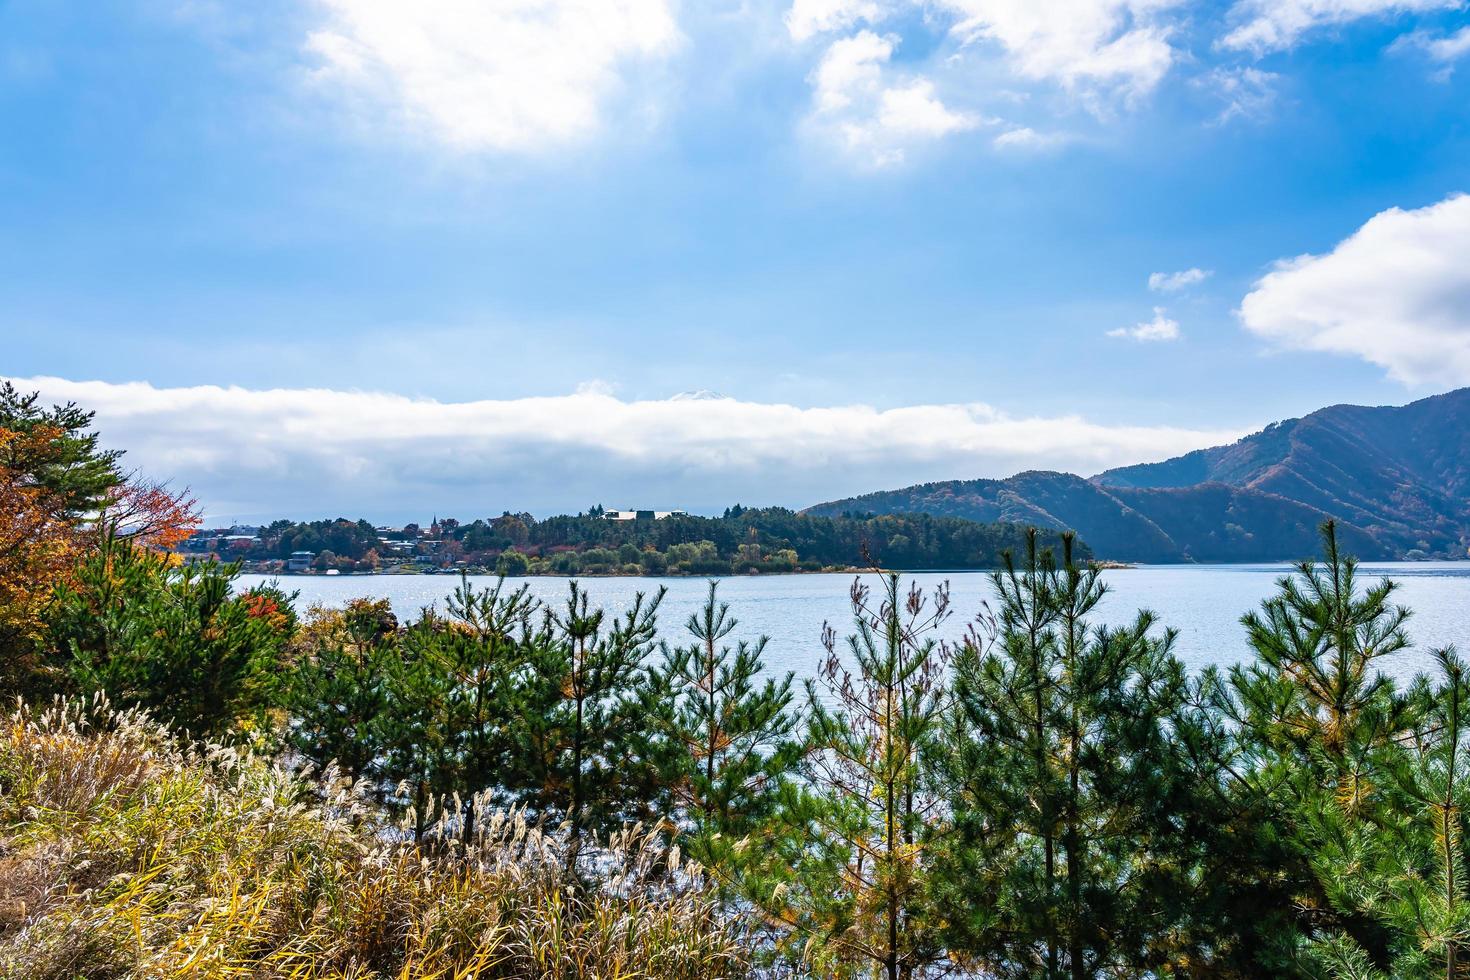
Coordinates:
<point>741,541</point>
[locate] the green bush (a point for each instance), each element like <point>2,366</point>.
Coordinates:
<point>172,638</point>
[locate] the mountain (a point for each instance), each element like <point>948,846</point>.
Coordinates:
<point>1397,480</point>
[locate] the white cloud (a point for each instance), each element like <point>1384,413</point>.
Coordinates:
<point>1445,49</point>
<point>1449,48</point>
<point>851,69</point>
<point>1160,328</point>
<point>1090,46</point>
<point>1395,293</point>
<point>514,75</point>
<point>311,452</point>
<point>1026,138</point>
<point>1248,93</point>
<point>911,109</point>
<point>807,18</point>
<point>1172,282</point>
<point>874,116</point>
<point>1101,52</point>
<point>1274,25</point>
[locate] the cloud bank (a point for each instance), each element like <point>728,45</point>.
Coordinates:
<point>1395,293</point>
<point>258,454</point>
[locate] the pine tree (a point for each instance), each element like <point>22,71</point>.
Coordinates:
<point>585,745</point>
<point>1000,881</point>
<point>1406,868</point>
<point>338,692</point>
<point>1059,754</point>
<point>1317,720</point>
<point>483,653</point>
<point>857,882</point>
<point>73,467</point>
<point>415,728</point>
<point>171,638</point>
<point>1315,691</point>
<point>730,736</point>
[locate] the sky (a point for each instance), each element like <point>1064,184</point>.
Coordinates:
<point>361,257</point>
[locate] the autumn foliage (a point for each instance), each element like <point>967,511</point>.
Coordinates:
<point>151,514</point>
<point>60,495</point>
<point>38,538</point>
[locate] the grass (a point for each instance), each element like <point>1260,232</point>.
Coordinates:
<point>125,853</point>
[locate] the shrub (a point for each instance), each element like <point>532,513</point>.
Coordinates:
<point>174,639</point>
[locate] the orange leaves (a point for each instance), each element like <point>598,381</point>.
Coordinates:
<point>151,514</point>
<point>38,540</point>
<point>41,535</point>
<point>259,605</point>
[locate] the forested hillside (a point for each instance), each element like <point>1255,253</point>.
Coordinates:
<point>1396,479</point>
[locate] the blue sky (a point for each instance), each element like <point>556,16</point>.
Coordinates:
<point>857,207</point>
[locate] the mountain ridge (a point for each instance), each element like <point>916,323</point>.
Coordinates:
<point>1395,478</point>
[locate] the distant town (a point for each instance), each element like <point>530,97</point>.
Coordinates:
<point>437,547</point>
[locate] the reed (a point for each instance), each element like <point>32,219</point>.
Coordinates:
<point>127,853</point>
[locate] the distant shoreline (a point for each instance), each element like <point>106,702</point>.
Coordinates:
<point>1107,566</point>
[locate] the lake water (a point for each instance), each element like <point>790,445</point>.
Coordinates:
<point>1203,602</point>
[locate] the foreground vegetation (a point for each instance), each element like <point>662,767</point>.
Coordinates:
<point>130,853</point>
<point>1049,798</point>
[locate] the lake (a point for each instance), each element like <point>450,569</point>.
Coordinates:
<point>1203,602</point>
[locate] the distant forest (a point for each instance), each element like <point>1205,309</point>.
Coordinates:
<point>741,541</point>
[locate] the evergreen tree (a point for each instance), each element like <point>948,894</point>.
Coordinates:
<point>857,880</point>
<point>1317,719</point>
<point>1315,691</point>
<point>415,727</point>
<point>339,694</point>
<point>1407,868</point>
<point>173,639</point>
<point>482,654</point>
<point>73,468</point>
<point>1065,856</point>
<point>585,743</point>
<point>731,736</point>
<point>1000,882</point>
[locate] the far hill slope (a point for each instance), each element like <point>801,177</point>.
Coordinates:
<point>1396,478</point>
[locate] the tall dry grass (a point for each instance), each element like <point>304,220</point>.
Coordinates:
<point>124,853</point>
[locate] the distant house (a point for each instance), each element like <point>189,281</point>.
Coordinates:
<point>641,515</point>
<point>300,561</point>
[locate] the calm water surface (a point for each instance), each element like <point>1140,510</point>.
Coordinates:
<point>1203,602</point>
